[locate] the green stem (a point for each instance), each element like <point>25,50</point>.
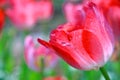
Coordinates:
<point>105,74</point>
<point>42,68</point>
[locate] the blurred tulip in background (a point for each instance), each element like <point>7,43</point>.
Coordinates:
<point>28,12</point>
<point>34,54</point>
<point>2,19</point>
<point>70,11</point>
<point>55,78</point>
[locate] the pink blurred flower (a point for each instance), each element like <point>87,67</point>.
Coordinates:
<point>27,12</point>
<point>85,46</point>
<point>33,55</point>
<point>44,9</point>
<point>70,11</point>
<point>22,15</point>
<point>55,78</point>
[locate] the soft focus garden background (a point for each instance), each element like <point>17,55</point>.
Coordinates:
<point>14,67</point>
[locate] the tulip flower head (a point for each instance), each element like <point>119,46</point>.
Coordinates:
<point>86,46</point>
<point>34,55</point>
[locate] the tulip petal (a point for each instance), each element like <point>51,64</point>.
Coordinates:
<point>71,49</point>
<point>93,46</point>
<point>96,23</point>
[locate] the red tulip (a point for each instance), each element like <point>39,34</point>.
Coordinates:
<point>33,55</point>
<point>55,78</point>
<point>86,46</point>
<point>2,17</point>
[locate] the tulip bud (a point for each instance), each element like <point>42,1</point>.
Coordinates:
<point>34,55</point>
